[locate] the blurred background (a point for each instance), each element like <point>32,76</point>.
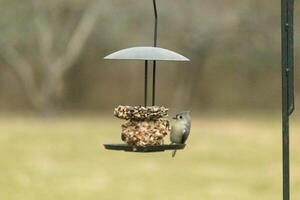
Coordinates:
<point>57,95</point>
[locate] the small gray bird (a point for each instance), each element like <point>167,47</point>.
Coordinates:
<point>180,129</point>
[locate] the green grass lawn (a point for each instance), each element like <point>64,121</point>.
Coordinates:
<point>63,159</point>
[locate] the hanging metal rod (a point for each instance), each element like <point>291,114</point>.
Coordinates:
<point>154,62</point>
<point>153,83</point>
<point>146,84</point>
<point>155,23</point>
<point>154,44</point>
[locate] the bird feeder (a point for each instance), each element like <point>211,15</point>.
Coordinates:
<point>288,99</point>
<point>146,126</point>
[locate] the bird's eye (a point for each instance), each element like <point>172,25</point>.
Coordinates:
<point>180,117</point>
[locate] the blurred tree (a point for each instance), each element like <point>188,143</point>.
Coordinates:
<point>59,31</point>
<point>234,47</point>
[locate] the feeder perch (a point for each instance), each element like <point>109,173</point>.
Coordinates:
<point>146,126</point>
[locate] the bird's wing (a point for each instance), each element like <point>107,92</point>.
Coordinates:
<point>186,133</point>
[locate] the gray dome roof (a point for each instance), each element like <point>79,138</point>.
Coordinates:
<point>146,53</point>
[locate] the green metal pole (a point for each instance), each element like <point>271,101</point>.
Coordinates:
<point>288,106</point>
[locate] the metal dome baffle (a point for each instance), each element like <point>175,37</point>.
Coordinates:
<point>147,54</point>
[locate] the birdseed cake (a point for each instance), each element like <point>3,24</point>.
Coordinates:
<point>144,125</point>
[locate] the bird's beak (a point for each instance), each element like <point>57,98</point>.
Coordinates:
<point>174,117</point>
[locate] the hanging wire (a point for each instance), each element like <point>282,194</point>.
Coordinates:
<point>154,62</point>
<point>154,44</point>
<point>146,83</point>
<point>155,23</point>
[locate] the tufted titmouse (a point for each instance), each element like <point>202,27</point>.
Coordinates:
<point>180,129</point>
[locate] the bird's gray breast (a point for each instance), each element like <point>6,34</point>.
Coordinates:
<point>178,130</point>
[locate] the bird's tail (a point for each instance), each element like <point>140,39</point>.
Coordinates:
<point>173,153</point>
